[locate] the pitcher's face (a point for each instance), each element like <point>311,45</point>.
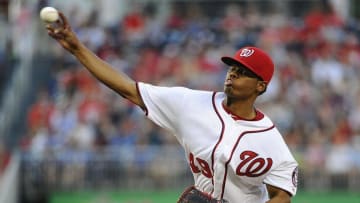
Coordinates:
<point>241,83</point>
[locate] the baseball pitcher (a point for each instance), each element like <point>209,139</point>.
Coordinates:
<point>234,151</point>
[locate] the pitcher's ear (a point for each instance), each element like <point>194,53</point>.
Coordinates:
<point>261,87</point>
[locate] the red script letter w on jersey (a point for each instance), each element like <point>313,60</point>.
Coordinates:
<point>252,165</point>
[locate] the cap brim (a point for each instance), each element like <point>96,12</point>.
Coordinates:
<point>231,61</point>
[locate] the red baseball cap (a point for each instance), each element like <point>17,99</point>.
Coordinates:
<point>255,60</point>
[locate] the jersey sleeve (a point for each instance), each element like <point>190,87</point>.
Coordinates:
<point>285,177</point>
<point>163,104</point>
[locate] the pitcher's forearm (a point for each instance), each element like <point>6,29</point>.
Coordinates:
<point>118,81</point>
<point>104,72</point>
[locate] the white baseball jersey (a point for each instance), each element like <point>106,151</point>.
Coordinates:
<point>230,158</point>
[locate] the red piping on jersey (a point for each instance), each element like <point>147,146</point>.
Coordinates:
<point>258,116</point>
<point>221,136</point>
<point>138,91</point>
<point>233,150</point>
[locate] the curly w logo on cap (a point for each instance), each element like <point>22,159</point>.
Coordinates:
<point>246,52</point>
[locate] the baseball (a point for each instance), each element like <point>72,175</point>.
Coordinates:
<point>49,14</point>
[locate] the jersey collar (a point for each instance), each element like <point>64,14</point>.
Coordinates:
<point>258,116</point>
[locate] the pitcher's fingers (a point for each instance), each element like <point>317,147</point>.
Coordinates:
<point>57,35</point>
<point>54,30</point>
<point>50,28</point>
<point>53,35</point>
<point>64,20</point>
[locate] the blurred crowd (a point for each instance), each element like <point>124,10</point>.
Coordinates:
<point>4,48</point>
<point>314,97</point>
<point>5,70</point>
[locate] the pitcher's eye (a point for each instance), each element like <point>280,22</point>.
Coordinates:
<point>233,75</point>
<point>246,72</point>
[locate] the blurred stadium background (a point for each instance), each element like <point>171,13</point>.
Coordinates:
<point>66,138</point>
